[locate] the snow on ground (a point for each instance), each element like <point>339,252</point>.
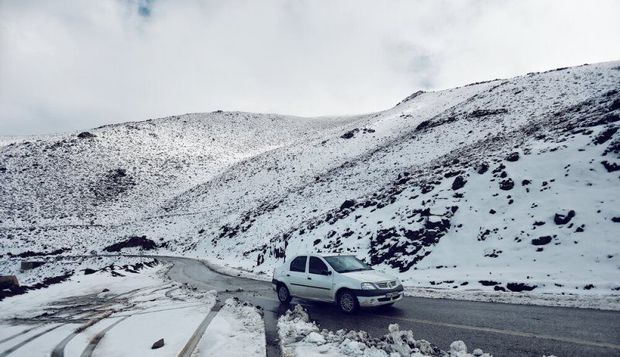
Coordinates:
<point>63,265</point>
<point>127,310</point>
<point>301,337</point>
<point>236,330</point>
<point>504,187</point>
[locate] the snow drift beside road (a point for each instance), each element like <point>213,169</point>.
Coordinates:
<point>301,337</point>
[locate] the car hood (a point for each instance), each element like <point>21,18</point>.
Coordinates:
<point>370,276</point>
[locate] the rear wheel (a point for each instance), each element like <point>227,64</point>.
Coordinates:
<point>347,302</point>
<point>283,294</point>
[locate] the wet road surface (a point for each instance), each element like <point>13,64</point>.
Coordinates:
<point>499,329</point>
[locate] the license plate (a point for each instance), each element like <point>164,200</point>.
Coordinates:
<point>391,295</point>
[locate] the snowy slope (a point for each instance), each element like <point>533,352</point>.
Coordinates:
<point>507,185</point>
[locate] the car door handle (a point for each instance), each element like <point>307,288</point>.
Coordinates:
<point>309,278</point>
<point>288,274</point>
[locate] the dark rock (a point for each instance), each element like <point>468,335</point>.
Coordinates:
<point>28,265</point>
<point>86,135</point>
<point>588,287</point>
<point>482,168</point>
<point>506,184</point>
<point>499,288</point>
<point>492,211</point>
<point>518,287</point>
<point>478,113</point>
<point>615,104</point>
<point>132,242</point>
<point>615,219</point>
<point>29,253</point>
<point>158,344</point>
<point>610,166</point>
<point>604,136</point>
<point>488,282</point>
<point>458,183</point>
<point>544,240</point>
<point>347,204</point>
<point>402,248</point>
<point>411,97</point>
<point>89,271</point>
<point>349,134</point>
<point>44,284</point>
<point>423,125</point>
<point>8,282</point>
<point>560,219</point>
<point>512,157</point>
<point>525,182</point>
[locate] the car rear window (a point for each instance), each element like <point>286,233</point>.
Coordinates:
<point>299,264</point>
<point>316,266</point>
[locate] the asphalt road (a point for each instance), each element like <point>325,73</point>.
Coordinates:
<point>499,329</point>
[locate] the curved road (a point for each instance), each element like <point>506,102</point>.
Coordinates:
<point>499,329</point>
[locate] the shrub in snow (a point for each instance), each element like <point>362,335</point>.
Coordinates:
<point>299,336</point>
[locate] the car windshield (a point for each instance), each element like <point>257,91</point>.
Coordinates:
<point>347,263</point>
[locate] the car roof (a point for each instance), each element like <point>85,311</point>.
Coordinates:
<point>324,255</point>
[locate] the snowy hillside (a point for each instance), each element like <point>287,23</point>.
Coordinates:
<point>507,185</point>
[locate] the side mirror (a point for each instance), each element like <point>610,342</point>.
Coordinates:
<point>326,272</point>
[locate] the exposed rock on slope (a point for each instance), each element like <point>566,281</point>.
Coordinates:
<point>509,181</point>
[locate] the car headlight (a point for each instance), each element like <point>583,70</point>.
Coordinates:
<point>368,286</point>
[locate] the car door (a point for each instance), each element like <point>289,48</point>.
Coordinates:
<point>319,280</point>
<point>296,276</point>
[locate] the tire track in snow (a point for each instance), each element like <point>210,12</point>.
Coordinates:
<point>19,334</point>
<point>28,340</point>
<point>191,344</point>
<point>92,344</point>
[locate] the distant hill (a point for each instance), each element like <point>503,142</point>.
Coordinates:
<point>502,185</point>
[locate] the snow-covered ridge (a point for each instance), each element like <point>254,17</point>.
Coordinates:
<point>507,185</point>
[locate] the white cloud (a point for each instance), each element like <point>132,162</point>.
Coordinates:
<point>77,64</point>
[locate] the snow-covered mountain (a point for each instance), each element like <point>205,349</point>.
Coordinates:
<point>500,185</point>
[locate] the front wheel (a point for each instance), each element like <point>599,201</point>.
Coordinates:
<point>347,302</point>
<point>283,294</point>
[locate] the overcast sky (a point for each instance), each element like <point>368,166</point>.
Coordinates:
<point>70,65</point>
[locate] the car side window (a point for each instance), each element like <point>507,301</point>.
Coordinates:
<point>299,264</point>
<point>316,266</point>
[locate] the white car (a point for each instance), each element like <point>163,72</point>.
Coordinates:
<point>343,279</point>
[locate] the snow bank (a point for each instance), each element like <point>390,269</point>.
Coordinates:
<point>301,337</point>
<point>236,330</point>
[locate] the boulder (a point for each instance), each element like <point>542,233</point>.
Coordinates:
<point>28,265</point>
<point>506,184</point>
<point>86,135</point>
<point>458,183</point>
<point>8,282</point>
<point>544,240</point>
<point>561,218</point>
<point>158,344</point>
<point>512,157</point>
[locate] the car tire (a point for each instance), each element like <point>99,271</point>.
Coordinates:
<point>284,295</point>
<point>347,302</point>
